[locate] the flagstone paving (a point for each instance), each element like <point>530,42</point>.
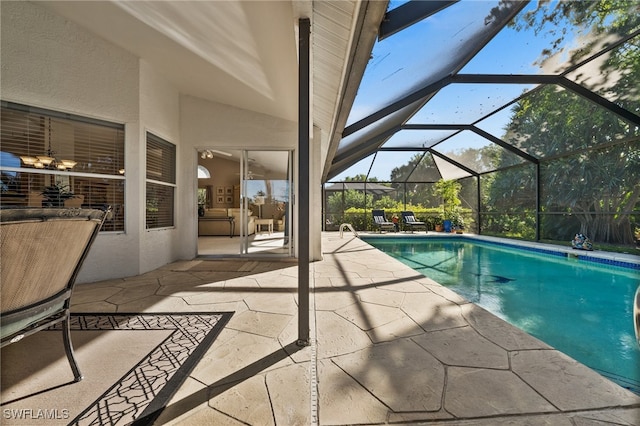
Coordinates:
<point>388,346</point>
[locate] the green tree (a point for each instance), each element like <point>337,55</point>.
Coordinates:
<point>386,202</point>
<point>589,155</point>
<point>344,200</point>
<point>449,192</point>
<point>416,177</point>
<point>360,178</point>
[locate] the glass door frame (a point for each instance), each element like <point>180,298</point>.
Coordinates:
<point>247,196</point>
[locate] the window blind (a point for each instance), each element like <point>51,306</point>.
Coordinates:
<point>46,151</point>
<point>161,179</point>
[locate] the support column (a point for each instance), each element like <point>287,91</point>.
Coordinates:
<point>304,132</point>
<point>479,205</point>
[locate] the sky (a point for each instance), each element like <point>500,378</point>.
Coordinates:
<point>400,62</point>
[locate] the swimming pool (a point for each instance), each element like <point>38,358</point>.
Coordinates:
<point>581,308</point>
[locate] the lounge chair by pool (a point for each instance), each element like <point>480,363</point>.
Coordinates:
<point>410,222</point>
<point>380,221</point>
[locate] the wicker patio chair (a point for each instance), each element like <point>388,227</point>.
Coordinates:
<point>41,251</point>
<point>410,222</point>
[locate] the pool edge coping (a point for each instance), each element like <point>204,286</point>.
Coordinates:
<point>628,261</point>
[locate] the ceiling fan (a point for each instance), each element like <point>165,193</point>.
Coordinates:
<point>251,175</point>
<point>208,153</point>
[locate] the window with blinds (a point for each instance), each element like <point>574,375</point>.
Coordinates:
<point>54,159</point>
<point>161,182</point>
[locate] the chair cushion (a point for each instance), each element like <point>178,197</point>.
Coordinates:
<point>216,212</point>
<point>14,327</point>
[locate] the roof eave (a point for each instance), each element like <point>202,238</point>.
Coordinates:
<point>369,17</point>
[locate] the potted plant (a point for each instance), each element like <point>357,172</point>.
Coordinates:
<point>458,221</point>
<point>55,195</point>
<point>430,221</point>
<point>279,216</point>
<point>449,191</point>
<point>202,201</point>
<point>259,200</point>
<point>438,222</point>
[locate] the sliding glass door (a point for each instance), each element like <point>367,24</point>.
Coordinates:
<point>266,188</point>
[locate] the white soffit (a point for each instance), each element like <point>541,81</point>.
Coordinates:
<point>332,33</point>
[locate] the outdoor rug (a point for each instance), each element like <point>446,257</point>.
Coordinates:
<point>133,363</point>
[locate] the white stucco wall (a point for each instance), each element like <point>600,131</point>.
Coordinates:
<point>209,124</point>
<point>160,115</point>
<point>206,123</point>
<point>49,62</point>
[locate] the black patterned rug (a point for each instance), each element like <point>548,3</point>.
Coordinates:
<point>174,344</point>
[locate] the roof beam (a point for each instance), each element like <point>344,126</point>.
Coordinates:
<point>408,14</point>
<point>397,105</point>
<point>505,78</point>
<point>475,130</point>
<point>368,16</point>
<point>430,89</point>
<point>504,145</point>
<point>370,145</point>
<point>455,163</point>
<point>594,97</point>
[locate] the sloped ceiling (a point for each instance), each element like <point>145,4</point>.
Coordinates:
<point>244,53</point>
<point>239,53</point>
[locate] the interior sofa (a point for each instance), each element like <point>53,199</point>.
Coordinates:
<point>215,227</point>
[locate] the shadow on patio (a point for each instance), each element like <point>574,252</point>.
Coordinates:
<point>388,345</point>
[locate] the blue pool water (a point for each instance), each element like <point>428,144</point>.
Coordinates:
<point>581,308</point>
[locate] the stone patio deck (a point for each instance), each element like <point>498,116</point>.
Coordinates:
<point>388,346</point>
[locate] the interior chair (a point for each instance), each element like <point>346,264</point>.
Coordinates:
<point>35,199</point>
<point>410,222</point>
<point>42,251</point>
<point>75,201</point>
<point>380,221</point>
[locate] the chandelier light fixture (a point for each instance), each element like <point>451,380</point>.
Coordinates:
<point>48,161</point>
<point>208,153</point>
